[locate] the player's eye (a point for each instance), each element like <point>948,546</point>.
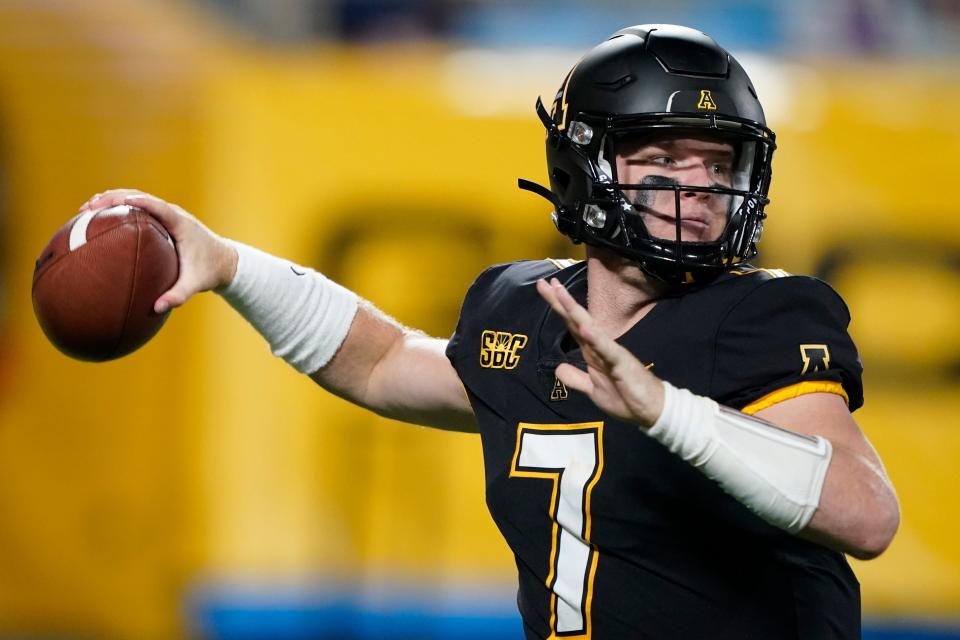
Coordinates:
<point>721,169</point>
<point>663,161</point>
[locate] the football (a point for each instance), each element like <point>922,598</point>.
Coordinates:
<point>95,282</point>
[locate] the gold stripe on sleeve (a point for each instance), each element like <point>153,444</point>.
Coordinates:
<point>563,263</point>
<point>796,390</point>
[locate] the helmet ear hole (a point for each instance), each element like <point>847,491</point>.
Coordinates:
<point>560,178</point>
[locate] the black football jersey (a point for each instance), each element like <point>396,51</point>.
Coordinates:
<point>615,537</point>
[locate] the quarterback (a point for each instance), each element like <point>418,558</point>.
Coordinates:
<point>667,432</point>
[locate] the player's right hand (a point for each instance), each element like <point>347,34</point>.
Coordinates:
<point>207,261</point>
<point>616,381</point>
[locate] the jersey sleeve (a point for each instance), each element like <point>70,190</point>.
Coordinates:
<point>493,301</point>
<point>787,337</point>
<point>477,297</point>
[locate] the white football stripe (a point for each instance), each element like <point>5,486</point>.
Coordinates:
<point>78,233</point>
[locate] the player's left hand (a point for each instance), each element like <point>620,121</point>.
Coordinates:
<point>207,261</point>
<point>616,381</point>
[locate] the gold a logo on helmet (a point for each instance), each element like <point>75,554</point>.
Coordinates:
<point>498,349</point>
<point>706,101</point>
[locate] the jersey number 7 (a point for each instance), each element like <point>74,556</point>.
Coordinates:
<point>571,457</point>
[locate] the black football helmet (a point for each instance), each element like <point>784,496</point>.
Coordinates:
<point>647,81</point>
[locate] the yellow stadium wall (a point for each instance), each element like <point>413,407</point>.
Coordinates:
<point>203,460</point>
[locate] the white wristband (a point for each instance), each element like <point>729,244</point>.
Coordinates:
<point>304,316</point>
<point>777,473</point>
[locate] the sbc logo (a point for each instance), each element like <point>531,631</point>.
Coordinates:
<point>498,349</point>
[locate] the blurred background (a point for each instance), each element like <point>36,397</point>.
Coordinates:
<point>202,489</point>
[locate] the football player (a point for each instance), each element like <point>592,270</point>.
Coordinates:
<point>666,430</point>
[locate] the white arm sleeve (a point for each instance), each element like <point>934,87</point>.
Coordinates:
<point>777,473</point>
<point>304,316</point>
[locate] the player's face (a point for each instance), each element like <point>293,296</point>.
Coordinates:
<point>697,162</point>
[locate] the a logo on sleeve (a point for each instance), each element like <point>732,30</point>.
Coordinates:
<point>706,101</point>
<point>499,349</point>
<point>816,357</point>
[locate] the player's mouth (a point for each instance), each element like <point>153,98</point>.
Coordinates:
<point>688,222</point>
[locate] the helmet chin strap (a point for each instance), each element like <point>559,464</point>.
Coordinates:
<point>555,137</point>
<point>538,189</point>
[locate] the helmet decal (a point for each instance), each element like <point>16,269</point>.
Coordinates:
<point>559,112</point>
<point>706,101</point>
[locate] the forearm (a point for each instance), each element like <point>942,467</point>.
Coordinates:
<point>349,373</point>
<point>317,326</point>
<point>776,473</point>
<point>303,316</point>
<point>809,484</point>
<point>858,512</point>
<point>345,344</point>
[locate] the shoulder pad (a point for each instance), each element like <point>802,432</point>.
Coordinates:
<point>500,295</point>
<point>765,274</point>
<point>563,263</point>
<point>782,334</point>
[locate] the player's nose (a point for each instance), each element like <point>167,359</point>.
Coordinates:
<point>697,176</point>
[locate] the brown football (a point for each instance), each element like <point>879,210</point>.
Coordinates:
<point>95,282</point>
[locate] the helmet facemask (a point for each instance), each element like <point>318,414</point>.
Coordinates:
<point>676,231</point>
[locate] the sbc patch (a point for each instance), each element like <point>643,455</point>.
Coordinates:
<point>499,349</point>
